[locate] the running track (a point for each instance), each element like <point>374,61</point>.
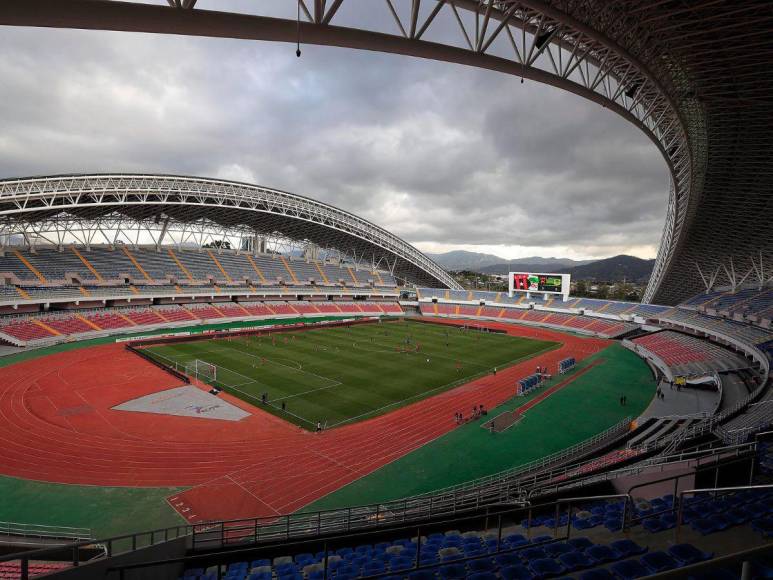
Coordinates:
<point>57,425</point>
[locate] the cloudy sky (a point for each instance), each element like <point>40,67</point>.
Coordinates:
<point>445,156</point>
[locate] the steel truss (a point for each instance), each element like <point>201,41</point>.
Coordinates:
<point>90,209</point>
<point>688,75</point>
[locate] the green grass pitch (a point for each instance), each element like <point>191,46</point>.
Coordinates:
<point>343,374</point>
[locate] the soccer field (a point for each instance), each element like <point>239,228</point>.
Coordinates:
<point>342,374</point>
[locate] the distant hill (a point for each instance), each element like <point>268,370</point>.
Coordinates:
<point>491,264</point>
<point>463,260</point>
<point>613,269</point>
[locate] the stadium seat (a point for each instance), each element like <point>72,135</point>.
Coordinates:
<point>687,554</point>
<point>516,573</point>
<point>656,562</point>
<point>627,548</point>
<point>629,570</point>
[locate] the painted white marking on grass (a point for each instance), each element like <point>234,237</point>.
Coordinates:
<point>447,387</point>
<point>423,352</point>
<point>337,384</point>
<point>299,369</point>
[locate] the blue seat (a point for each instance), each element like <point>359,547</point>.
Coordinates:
<point>482,576</point>
<point>555,550</point>
<point>348,570</point>
<point>285,569</point>
<point>516,573</point>
<point>668,521</point>
<point>260,576</point>
<point>598,574</point>
<point>453,572</point>
<point>482,565</point>
<point>584,524</point>
<point>193,572</point>
<point>573,561</point>
<point>401,564</point>
<point>373,567</point>
<point>474,551</point>
<point>422,575</point>
<point>533,554</point>
<point>260,562</point>
<point>761,508</point>
<point>595,521</point>
<point>541,539</point>
<point>237,565</point>
<point>627,548</point>
<point>601,554</point>
<point>315,575</point>
<point>703,526</point>
<point>507,559</point>
<point>657,562</point>
<point>687,554</point>
<point>763,526</point>
<point>629,569</point>
<point>515,540</point>
<point>545,567</point>
<point>343,552</point>
<point>429,559</point>
<point>652,525</point>
<point>305,559</point>
<point>614,524</point>
<point>581,543</point>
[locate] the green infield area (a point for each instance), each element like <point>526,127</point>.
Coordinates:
<point>342,374</point>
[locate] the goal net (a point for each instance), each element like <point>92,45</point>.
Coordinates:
<point>202,370</point>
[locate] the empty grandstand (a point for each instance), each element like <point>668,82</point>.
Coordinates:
<point>460,434</point>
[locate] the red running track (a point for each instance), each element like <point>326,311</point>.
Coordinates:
<point>57,425</point>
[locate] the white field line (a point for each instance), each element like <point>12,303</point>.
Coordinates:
<point>446,386</point>
<point>297,369</point>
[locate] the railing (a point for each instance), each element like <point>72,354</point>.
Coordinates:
<point>372,518</point>
<point>80,552</point>
<point>609,434</point>
<point>659,461</point>
<point>714,491</point>
<point>404,511</point>
<point>37,531</point>
<point>495,520</point>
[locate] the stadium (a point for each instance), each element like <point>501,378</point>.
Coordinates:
<point>202,378</point>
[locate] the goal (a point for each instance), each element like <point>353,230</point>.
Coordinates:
<point>203,370</point>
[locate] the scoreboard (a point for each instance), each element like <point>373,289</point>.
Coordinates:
<point>540,283</point>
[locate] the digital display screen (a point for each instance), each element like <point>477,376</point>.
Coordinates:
<point>537,282</point>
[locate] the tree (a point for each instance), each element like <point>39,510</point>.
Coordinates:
<point>223,244</point>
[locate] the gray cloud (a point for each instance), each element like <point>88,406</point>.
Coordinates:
<point>441,154</point>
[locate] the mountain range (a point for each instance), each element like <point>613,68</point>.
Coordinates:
<point>491,264</point>
<point>614,269</point>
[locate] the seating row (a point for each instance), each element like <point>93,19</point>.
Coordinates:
<point>102,263</point>
<point>48,326</point>
<point>601,327</point>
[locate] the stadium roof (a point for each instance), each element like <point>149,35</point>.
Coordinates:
<point>88,204</point>
<point>695,76</point>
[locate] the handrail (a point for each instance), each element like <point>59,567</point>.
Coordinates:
<point>619,427</point>
<point>112,545</point>
<point>656,461</point>
<point>415,530</point>
<point>314,525</point>
<point>44,531</point>
<point>715,490</point>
